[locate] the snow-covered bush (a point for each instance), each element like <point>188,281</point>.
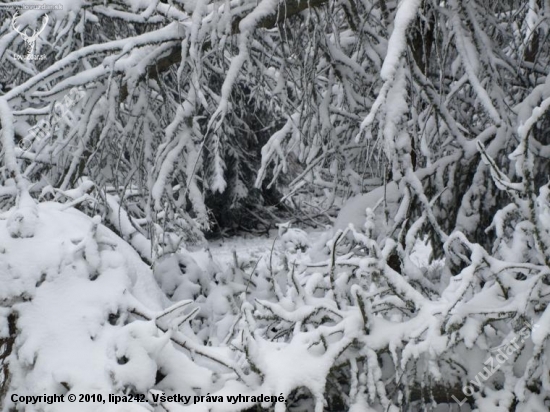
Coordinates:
<point>346,332</point>
<point>69,290</point>
<point>434,114</point>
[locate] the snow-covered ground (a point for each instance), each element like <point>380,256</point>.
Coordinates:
<point>252,247</point>
<point>244,246</point>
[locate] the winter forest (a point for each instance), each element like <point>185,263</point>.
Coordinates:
<point>275,205</point>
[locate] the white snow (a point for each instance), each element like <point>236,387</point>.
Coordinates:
<point>406,12</point>
<point>379,200</point>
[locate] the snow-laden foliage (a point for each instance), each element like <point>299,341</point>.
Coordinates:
<point>167,119</point>
<point>70,289</point>
<point>330,327</point>
<point>180,99</point>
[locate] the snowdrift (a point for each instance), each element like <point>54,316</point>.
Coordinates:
<point>71,287</point>
<point>354,210</point>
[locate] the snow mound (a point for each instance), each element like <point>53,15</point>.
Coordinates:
<point>354,210</point>
<point>293,239</point>
<point>71,287</point>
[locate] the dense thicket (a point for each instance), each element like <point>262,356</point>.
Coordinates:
<point>198,116</point>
